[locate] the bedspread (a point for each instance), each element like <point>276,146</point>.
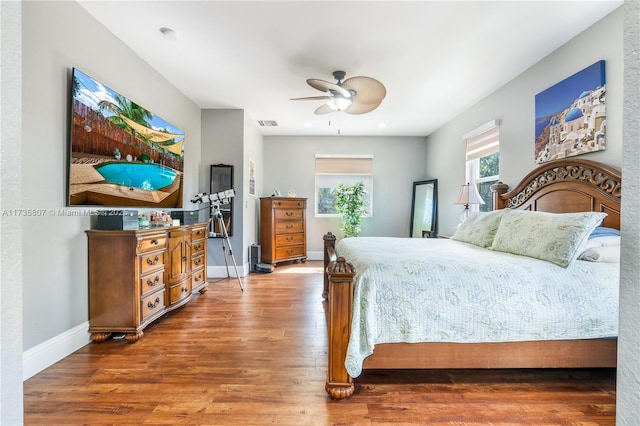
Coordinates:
<point>439,290</point>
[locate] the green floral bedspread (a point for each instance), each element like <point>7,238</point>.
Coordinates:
<point>439,290</point>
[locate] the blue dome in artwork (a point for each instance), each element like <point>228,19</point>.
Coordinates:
<point>554,121</point>
<point>583,94</point>
<point>573,114</point>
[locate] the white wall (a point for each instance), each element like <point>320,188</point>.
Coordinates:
<point>11,292</point>
<point>58,36</point>
<point>513,105</point>
<point>628,386</point>
<point>289,163</point>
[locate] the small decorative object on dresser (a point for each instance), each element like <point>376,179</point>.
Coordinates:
<point>136,276</point>
<point>283,229</point>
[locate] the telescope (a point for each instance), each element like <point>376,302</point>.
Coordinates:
<point>222,197</point>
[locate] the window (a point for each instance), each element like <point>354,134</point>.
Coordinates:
<point>346,169</point>
<point>483,161</point>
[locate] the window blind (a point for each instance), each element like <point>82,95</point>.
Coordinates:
<point>344,164</point>
<point>482,141</point>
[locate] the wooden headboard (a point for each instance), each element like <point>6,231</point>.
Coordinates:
<point>565,186</point>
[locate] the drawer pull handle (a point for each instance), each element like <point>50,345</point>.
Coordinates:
<point>196,279</point>
<point>184,289</point>
<point>184,257</point>
<point>289,214</point>
<point>154,282</point>
<point>154,261</point>
<point>199,232</point>
<point>289,226</point>
<point>198,247</point>
<point>155,304</point>
<point>289,238</point>
<point>197,261</point>
<point>154,242</point>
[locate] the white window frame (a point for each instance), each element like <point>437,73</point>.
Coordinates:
<point>346,176</point>
<point>480,142</point>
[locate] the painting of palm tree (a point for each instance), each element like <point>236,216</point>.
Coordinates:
<point>121,153</point>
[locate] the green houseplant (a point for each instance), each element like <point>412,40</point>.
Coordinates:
<point>350,200</point>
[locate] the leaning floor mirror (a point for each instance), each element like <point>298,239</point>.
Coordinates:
<point>424,207</point>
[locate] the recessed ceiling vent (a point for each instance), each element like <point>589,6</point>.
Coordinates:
<point>268,123</point>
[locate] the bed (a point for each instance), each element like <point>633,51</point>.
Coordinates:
<point>371,283</point>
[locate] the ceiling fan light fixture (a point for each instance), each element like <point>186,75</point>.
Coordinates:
<point>339,103</point>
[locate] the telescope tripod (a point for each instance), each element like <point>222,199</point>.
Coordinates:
<point>225,237</point>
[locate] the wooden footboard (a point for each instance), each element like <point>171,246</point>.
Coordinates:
<point>338,290</point>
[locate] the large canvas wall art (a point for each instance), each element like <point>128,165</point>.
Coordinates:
<point>120,153</point>
<point>571,116</point>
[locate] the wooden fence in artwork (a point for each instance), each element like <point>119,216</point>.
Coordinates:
<point>92,134</point>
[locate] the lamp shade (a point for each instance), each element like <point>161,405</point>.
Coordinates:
<point>468,194</point>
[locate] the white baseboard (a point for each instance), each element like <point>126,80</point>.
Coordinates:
<point>39,357</point>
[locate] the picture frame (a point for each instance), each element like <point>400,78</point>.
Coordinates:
<point>424,209</point>
<point>571,116</point>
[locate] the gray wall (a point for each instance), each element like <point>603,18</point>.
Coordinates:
<point>289,163</point>
<point>513,105</point>
<point>56,37</point>
<point>628,387</point>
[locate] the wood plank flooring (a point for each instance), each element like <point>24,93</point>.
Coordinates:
<point>258,357</point>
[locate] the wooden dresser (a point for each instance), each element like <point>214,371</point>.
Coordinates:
<point>283,229</point>
<point>136,276</point>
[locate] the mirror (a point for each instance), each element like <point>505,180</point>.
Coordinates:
<point>221,180</point>
<point>424,207</point>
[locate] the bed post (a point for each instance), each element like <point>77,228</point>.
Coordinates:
<point>497,189</point>
<point>329,255</point>
<point>339,274</point>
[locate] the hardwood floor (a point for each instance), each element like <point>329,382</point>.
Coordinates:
<point>259,357</point>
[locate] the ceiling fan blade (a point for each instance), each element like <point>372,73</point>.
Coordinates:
<point>325,86</point>
<point>311,98</point>
<point>368,90</point>
<point>323,109</point>
<point>357,108</point>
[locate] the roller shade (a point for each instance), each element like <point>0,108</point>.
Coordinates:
<point>482,141</point>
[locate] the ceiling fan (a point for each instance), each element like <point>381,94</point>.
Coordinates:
<point>355,95</point>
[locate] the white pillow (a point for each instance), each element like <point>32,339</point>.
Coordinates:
<point>608,254</point>
<point>479,228</point>
<point>554,237</point>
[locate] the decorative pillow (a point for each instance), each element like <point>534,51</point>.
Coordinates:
<point>554,237</point>
<point>479,228</point>
<point>609,254</point>
<point>600,237</point>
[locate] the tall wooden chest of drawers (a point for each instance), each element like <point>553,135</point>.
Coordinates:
<point>283,229</point>
<point>136,276</point>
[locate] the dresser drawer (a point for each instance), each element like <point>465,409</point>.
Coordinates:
<point>197,247</point>
<point>289,227</point>
<point>197,278</point>
<point>152,304</point>
<point>288,214</point>
<point>289,239</point>
<point>197,262</point>
<point>152,243</point>
<point>179,292</point>
<point>152,282</point>
<point>288,204</point>
<point>290,251</point>
<point>151,261</point>
<point>198,233</point>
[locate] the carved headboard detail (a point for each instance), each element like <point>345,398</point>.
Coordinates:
<point>566,185</point>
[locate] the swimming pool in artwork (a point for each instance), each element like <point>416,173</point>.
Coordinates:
<point>138,175</point>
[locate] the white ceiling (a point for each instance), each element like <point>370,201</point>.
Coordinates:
<point>436,58</point>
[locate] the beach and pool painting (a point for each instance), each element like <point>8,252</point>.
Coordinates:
<point>571,116</point>
<point>121,154</point>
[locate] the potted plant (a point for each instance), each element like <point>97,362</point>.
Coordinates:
<point>350,204</point>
